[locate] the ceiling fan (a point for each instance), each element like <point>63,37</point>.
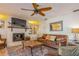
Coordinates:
<point>75,10</point>
<point>37,10</point>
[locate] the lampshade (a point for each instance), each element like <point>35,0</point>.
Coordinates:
<point>75,30</point>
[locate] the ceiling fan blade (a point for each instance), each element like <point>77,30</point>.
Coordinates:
<point>76,10</point>
<point>26,9</point>
<point>45,9</point>
<point>32,13</point>
<point>35,5</point>
<point>41,13</point>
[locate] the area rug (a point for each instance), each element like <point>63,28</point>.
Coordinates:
<point>20,51</point>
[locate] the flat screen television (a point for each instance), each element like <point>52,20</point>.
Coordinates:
<point>18,22</point>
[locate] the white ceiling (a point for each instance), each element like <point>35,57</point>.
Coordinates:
<point>13,9</point>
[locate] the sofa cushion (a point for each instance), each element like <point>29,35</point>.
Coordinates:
<point>52,38</point>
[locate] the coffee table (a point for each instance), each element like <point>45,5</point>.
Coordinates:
<point>32,44</point>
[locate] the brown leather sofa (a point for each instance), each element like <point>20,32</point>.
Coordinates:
<point>54,44</point>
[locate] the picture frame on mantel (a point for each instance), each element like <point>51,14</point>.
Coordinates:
<point>56,26</point>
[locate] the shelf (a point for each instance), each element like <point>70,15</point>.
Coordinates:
<point>17,27</point>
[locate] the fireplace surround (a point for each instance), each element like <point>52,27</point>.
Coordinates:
<point>18,37</point>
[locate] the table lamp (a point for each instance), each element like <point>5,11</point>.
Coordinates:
<point>75,31</point>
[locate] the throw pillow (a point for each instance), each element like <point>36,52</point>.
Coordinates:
<point>52,38</point>
<point>47,37</point>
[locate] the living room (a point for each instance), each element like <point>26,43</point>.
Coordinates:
<point>25,34</point>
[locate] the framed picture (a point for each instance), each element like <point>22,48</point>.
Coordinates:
<point>56,26</point>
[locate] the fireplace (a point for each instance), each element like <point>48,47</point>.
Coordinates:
<point>18,37</point>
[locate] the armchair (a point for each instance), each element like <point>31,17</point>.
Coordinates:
<point>2,42</point>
